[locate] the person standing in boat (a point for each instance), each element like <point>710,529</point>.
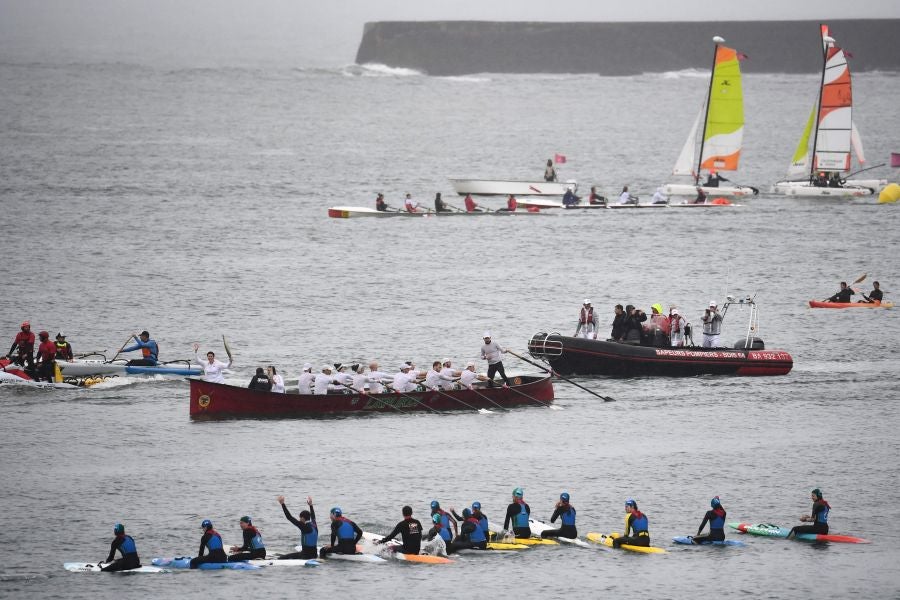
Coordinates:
<point>588,322</point>
<point>45,365</point>
<point>64,348</point>
<point>633,328</point>
<point>818,517</point>
<point>677,328</point>
<point>627,198</point>
<point>149,348</point>
<point>875,295</point>
<point>637,531</point>
<point>715,516</point>
<point>345,534</point>
<point>659,327</point>
<point>253,546</point>
<point>211,541</point>
<point>618,324</point>
<point>471,205</point>
<point>549,171</point>
<point>843,295</point>
<point>124,544</point>
<point>491,351</point>
<point>380,204</point>
<point>410,532</point>
<point>212,368</point>
<point>306,379</point>
<point>511,204</point>
<point>468,376</point>
<point>260,382</point>
<point>712,325</point>
<point>309,531</point>
<point>439,204</point>
<point>410,205</point>
<point>565,512</point>
<point>517,514</point>
<point>23,346</point>
<point>276,379</point>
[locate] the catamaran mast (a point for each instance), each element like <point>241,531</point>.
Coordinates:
<point>823,29</point>
<point>718,40</point>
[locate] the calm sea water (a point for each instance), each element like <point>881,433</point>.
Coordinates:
<point>193,203</point>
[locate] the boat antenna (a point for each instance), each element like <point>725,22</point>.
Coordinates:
<point>718,40</point>
<point>826,41</point>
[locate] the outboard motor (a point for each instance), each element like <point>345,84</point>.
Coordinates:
<point>755,344</point>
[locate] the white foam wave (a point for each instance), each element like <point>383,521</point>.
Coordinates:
<point>466,78</point>
<point>683,74</point>
<point>380,70</point>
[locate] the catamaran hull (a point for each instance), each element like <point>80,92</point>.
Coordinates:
<point>497,187</point>
<point>806,190</point>
<point>683,189</point>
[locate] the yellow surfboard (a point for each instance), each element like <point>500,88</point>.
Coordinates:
<point>504,546</point>
<point>607,540</point>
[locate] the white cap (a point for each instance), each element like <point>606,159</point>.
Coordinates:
<point>587,301</point>
<point>712,303</point>
<point>470,364</point>
<point>445,361</point>
<point>307,367</point>
<point>674,311</point>
<point>404,366</point>
<point>487,334</point>
<point>327,367</point>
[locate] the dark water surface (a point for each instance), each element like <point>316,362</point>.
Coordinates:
<point>192,203</point>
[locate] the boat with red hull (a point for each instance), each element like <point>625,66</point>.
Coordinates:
<point>219,400</point>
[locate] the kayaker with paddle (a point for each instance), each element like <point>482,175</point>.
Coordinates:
<point>470,534</point>
<point>635,524</point>
<point>875,295</point>
<point>518,513</point>
<point>211,541</point>
<point>64,348</point>
<point>309,530</point>
<point>565,512</point>
<point>410,532</point>
<point>843,295</point>
<point>253,546</point>
<point>491,351</point>
<point>712,325</point>
<point>345,534</point>
<point>45,364</point>
<point>588,321</point>
<point>23,346</point>
<point>212,368</point>
<point>716,519</point>
<point>260,381</point>
<point>124,544</point>
<point>149,348</point>
<point>818,517</point>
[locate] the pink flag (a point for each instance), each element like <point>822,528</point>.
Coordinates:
<point>895,159</point>
<point>559,158</point>
<point>742,56</point>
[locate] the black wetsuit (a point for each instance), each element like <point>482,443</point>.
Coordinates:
<point>842,296</point>
<point>464,541</point>
<point>410,531</point>
<point>247,551</point>
<point>124,544</point>
<point>716,520</point>
<point>637,524</point>
<point>216,554</point>
<point>820,511</point>
<point>261,383</point>
<point>565,530</point>
<point>345,545</point>
<point>874,296</point>
<point>514,510</point>
<point>307,552</point>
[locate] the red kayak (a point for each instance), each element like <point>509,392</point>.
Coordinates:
<point>822,304</point>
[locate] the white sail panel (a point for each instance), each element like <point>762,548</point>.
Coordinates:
<point>856,142</point>
<point>687,159</point>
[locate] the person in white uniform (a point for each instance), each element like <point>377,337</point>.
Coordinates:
<point>712,325</point>
<point>659,197</point>
<point>324,381</point>
<point>212,368</point>
<point>677,325</point>
<point>491,351</point>
<point>588,322</point>
<point>404,381</point>
<point>625,197</point>
<point>277,380</point>
<point>376,378</point>
<point>340,377</point>
<point>448,372</point>
<point>468,376</point>
<point>306,379</point>
<point>410,204</point>
<point>435,378</point>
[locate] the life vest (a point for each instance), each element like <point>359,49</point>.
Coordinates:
<point>151,350</point>
<point>215,540</point>
<point>444,524</point>
<point>822,515</point>
<point>675,323</point>
<point>568,517</point>
<point>311,539</point>
<point>128,546</point>
<point>718,520</point>
<point>63,350</point>
<point>345,530</point>
<point>483,521</point>
<point>256,542</point>
<point>587,316</point>
<point>639,524</point>
<point>443,532</point>
<point>521,519</point>
<point>511,204</point>
<point>477,534</point>
<point>470,204</point>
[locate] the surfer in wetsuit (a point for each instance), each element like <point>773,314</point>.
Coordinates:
<point>309,531</point>
<point>875,295</point>
<point>149,348</point>
<point>471,535</point>
<point>566,513</point>
<point>635,524</point>
<point>124,544</point>
<point>212,542</point>
<point>716,519</point>
<point>344,535</point>
<point>476,512</point>
<point>518,513</point>
<point>409,530</point>
<point>253,546</point>
<point>818,517</point>
<point>843,295</point>
<point>446,522</point>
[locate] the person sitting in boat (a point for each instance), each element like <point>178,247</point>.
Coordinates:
<point>569,198</point>
<point>410,205</point>
<point>63,348</point>
<point>449,375</point>
<point>342,378</point>
<point>843,295</point>
<point>253,546</point>
<point>439,204</point>
<point>468,376</point>
<point>716,519</point>
<point>835,180</point>
<point>588,322</point>
<point>633,326</point>
<point>435,378</point>
<point>380,204</point>
<point>549,171</point>
<point>126,546</point>
<point>818,517</point>
<point>404,381</point>
<point>471,535</point>
<point>626,198</point>
<point>820,180</point>
<point>211,541</point>
<point>471,205</point>
<point>677,328</point>
<point>511,204</point>
<point>875,295</point>
<point>212,368</point>
<point>637,531</point>
<point>260,382</point>
<point>149,348</point>
<point>565,512</point>
<point>517,514</point>
<point>324,381</point>
<point>345,534</point>
<point>376,378</point>
<point>23,347</point>
<point>712,325</point>
<point>595,198</point>
<point>306,379</point>
<point>45,365</point>
<point>659,197</point>
<point>658,329</point>
<point>712,180</point>
<point>618,324</point>
<point>701,196</point>
<point>309,531</point>
<point>410,532</point>
<point>276,379</point>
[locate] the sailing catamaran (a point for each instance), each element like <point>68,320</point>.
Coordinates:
<point>833,133</point>
<point>722,115</point>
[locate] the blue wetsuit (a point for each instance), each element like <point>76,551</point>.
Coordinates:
<point>124,544</point>
<point>566,514</point>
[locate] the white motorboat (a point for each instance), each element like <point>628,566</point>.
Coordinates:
<point>499,187</point>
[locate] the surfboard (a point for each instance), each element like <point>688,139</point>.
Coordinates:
<point>689,540</point>
<point>771,530</point>
<point>537,527</point>
<point>184,562</point>
<point>607,540</point>
<point>287,562</point>
<point>81,567</point>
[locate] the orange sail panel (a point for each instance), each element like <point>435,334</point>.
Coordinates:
<point>835,122</point>
<point>724,131</point>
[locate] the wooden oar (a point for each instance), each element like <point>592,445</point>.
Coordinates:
<point>484,411</point>
<point>122,348</point>
<point>416,400</point>
<point>554,373</point>
<point>533,399</point>
<point>453,207</point>
<point>227,348</point>
<point>503,408</point>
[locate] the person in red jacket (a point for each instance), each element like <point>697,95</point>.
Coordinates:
<point>23,347</point>
<point>46,358</point>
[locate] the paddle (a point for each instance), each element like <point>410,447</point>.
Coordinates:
<point>416,400</point>
<point>355,391</point>
<point>533,399</point>
<point>227,349</point>
<point>859,280</point>
<point>472,389</point>
<point>122,348</point>
<point>552,372</point>
<point>483,411</point>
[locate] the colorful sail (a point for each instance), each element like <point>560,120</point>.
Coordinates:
<point>724,128</point>
<point>835,120</point>
<point>800,160</point>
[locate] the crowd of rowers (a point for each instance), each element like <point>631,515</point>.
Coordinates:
<point>442,376</point>
<point>455,532</point>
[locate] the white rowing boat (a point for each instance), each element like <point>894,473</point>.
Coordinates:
<point>684,189</point>
<point>500,187</point>
<point>347,212</point>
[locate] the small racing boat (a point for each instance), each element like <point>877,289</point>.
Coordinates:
<point>13,374</point>
<point>826,304</point>
<point>88,367</point>
<point>776,531</point>
<point>347,212</point>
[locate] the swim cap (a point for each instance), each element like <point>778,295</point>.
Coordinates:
<point>336,511</point>
<point>435,504</point>
<point>44,335</point>
<point>476,505</point>
<point>26,324</point>
<point>630,502</point>
<point>466,513</point>
<point>818,493</point>
<point>715,502</point>
<point>435,518</point>
<point>118,529</point>
<point>145,332</point>
<point>564,496</point>
<point>206,524</point>
<point>245,519</point>
<point>518,492</point>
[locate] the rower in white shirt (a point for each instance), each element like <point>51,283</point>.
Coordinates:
<point>435,379</point>
<point>340,377</point>
<point>376,378</point>
<point>306,379</point>
<point>449,374</point>
<point>468,376</point>
<point>404,381</point>
<point>277,380</point>
<point>212,368</point>
<point>324,381</point>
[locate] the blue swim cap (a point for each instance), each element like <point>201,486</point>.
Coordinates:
<point>518,492</point>
<point>715,502</point>
<point>118,528</point>
<point>336,511</point>
<point>476,505</point>
<point>436,518</point>
<point>435,504</point>
<point>630,502</point>
<point>466,513</point>
<point>245,519</point>
<point>206,524</point>
<point>564,496</point>
<point>818,493</point>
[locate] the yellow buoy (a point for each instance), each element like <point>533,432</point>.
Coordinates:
<point>890,193</point>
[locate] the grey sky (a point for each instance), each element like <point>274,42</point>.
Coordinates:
<point>322,33</point>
